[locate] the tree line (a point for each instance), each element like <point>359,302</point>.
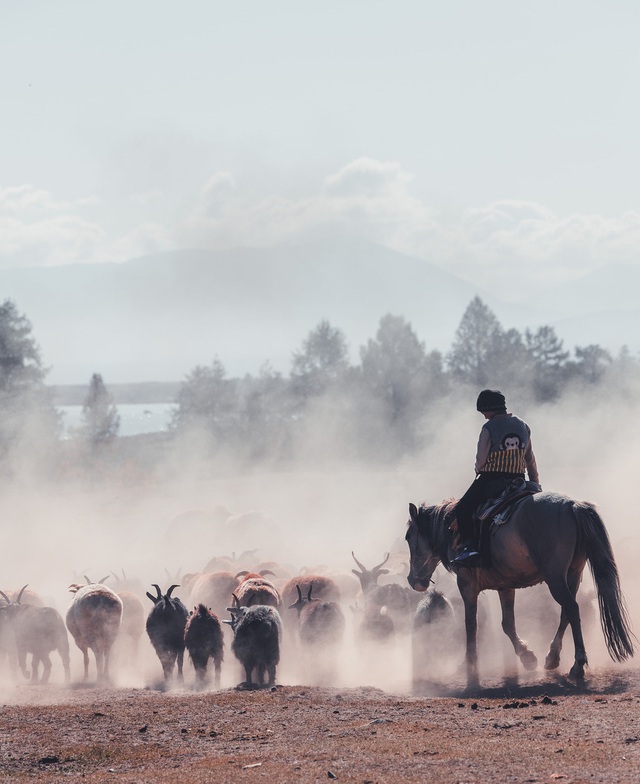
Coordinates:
<point>378,408</point>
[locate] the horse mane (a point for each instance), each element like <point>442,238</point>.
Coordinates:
<point>436,521</point>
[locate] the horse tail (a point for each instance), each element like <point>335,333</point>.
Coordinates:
<point>614,617</point>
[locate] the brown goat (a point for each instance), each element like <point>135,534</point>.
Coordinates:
<point>214,590</point>
<point>38,631</point>
<point>321,623</point>
<point>133,618</point>
<point>255,589</point>
<point>323,587</point>
<point>27,596</point>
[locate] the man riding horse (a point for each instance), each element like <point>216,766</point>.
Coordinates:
<point>504,452</point>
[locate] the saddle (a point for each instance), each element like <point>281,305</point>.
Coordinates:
<point>497,511</point>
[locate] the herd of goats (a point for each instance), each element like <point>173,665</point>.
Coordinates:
<point>308,612</point>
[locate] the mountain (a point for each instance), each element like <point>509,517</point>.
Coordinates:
<point>156,317</point>
<point>600,307</point>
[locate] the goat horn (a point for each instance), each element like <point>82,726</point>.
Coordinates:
<point>264,572</point>
<point>5,597</point>
<point>87,579</point>
<point>309,594</point>
<point>157,587</point>
<point>20,594</point>
<point>299,593</point>
<point>380,565</point>
<point>104,578</point>
<point>237,601</point>
<point>363,568</point>
<point>242,573</point>
<point>171,587</point>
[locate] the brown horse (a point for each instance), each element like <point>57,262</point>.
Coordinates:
<point>549,538</point>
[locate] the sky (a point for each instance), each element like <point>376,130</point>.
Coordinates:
<point>489,138</point>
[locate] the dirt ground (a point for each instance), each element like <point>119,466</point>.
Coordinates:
<point>543,730</point>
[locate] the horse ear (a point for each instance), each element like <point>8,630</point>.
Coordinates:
<point>413,512</point>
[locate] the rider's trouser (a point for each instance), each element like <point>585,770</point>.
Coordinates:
<point>486,485</point>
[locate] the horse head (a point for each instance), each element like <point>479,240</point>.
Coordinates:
<point>423,556</point>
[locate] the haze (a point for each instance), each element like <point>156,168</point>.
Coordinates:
<point>495,141</point>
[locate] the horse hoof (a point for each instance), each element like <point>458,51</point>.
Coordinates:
<point>577,672</point>
<point>529,660</point>
<point>552,662</point>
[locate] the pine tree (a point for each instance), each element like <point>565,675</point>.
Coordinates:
<point>100,418</point>
<point>207,401</point>
<point>397,369</point>
<point>475,341</point>
<point>28,418</point>
<point>322,361</point>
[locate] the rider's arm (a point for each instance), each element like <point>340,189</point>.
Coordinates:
<point>484,447</point>
<point>530,459</point>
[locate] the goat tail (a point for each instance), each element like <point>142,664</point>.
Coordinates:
<point>614,617</point>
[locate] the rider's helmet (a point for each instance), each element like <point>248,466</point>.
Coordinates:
<point>491,400</point>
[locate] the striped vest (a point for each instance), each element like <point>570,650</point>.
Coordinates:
<point>509,440</point>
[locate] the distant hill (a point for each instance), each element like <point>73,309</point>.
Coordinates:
<point>156,317</point>
<point>600,307</point>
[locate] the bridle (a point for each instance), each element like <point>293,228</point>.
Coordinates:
<point>424,572</point>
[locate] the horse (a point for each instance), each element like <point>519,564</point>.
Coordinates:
<point>549,538</point>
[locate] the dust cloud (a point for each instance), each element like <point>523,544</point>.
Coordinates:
<point>141,528</point>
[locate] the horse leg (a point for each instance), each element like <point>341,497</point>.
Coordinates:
<point>552,661</point>
<point>470,599</point>
<point>507,601</point>
<point>564,592</point>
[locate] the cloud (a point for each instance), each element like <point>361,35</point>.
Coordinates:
<point>367,178</point>
<point>23,198</point>
<point>366,198</point>
<point>65,239</point>
<point>528,239</point>
<point>372,199</point>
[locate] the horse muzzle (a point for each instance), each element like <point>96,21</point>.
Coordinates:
<point>419,583</point>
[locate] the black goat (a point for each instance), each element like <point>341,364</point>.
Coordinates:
<point>434,608</point>
<point>374,624</point>
<point>38,631</point>
<point>436,636</point>
<point>204,640</point>
<point>394,600</point>
<point>256,641</point>
<point>165,626</point>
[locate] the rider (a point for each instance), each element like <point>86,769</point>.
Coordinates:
<point>504,451</point>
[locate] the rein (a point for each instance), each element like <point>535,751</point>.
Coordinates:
<point>436,527</point>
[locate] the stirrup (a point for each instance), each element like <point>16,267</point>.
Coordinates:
<point>467,556</point>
